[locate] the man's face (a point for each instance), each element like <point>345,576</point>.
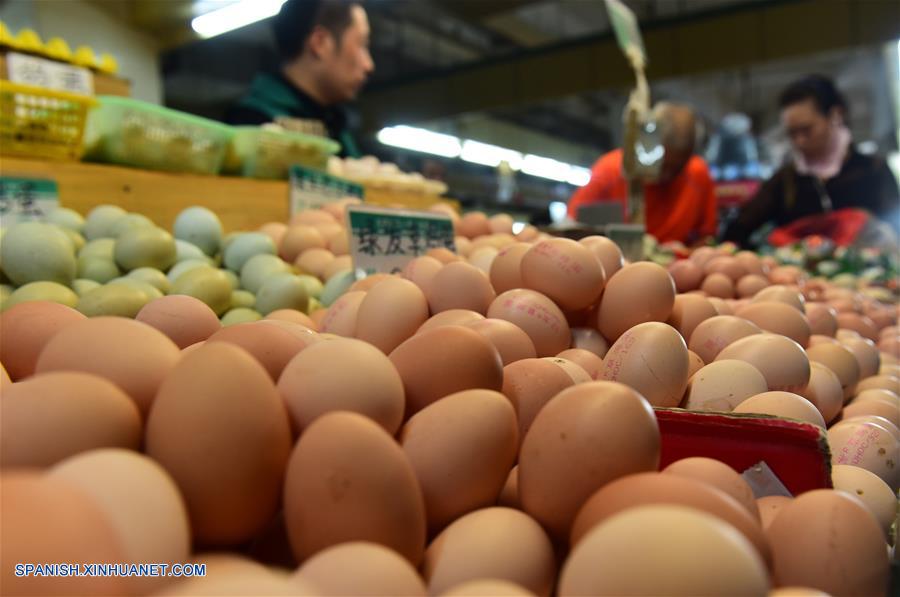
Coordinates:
<point>808,129</point>
<point>347,64</point>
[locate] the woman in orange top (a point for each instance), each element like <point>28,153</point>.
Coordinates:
<point>681,204</point>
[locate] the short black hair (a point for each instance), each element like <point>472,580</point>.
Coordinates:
<point>818,88</point>
<point>297,18</point>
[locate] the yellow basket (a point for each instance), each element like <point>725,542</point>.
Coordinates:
<point>42,123</point>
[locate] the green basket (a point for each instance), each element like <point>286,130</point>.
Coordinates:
<point>135,133</point>
<point>258,152</point>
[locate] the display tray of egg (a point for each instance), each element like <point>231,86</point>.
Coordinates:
<point>481,423</point>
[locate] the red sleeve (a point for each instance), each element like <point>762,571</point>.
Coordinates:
<point>597,189</point>
<point>709,218</point>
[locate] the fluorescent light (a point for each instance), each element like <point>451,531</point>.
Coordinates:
<point>234,16</point>
<point>490,155</point>
<point>579,176</point>
<point>518,227</point>
<point>416,139</point>
<point>545,168</point>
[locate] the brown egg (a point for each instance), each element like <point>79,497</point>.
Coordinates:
<point>751,262</point>
<point>339,243</point>
<point>487,587</point>
<point>49,521</point>
<point>461,317</point>
<point>133,355</point>
<point>567,272</point>
<point>749,285</point>
<point>343,374</point>
<point>861,324</point>
<point>715,333</point>
<point>463,245</point>
<point>718,285</point>
<point>883,382</point>
<point>443,361</point>
<point>702,255</point>
<point>663,549</point>
<point>140,500</point>
<point>769,507</point>
<point>293,316</point>
<point>890,345</point>
<point>474,224</point>
<point>817,339</point>
<point>275,231</point>
<point>537,316</point>
<point>511,342</point>
<point>529,384</point>
<point>497,543</point>
<point>52,416</point>
<point>313,262</point>
<point>4,377</point>
<point>686,274</point>
<point>824,391</point>
<point>688,312</point>
<point>366,284</point>
<point>241,582</point>
<point>27,327</point>
<point>719,475</point>
<point>842,553</point>
<point>562,460</point>
<point>572,369</point>
<point>348,480</point>
<point>782,361</point>
<point>390,313</point>
<point>441,442</point>
<point>509,495</point>
<point>501,223</point>
<point>877,394</point>
<point>184,319</point>
<point>786,274</point>
<point>340,318</point>
<point>298,239</point>
<point>361,568</point>
<point>608,252</point>
<point>312,217</point>
<point>340,264</point>
<point>781,294</point>
<point>867,356</point>
<point>822,319</point>
<point>460,286</point>
<point>729,266</point>
<point>421,271</point>
<point>483,258</point>
<point>243,451</point>
<point>657,488</point>
<point>867,445</point>
<point>722,385</point>
<point>695,364</point>
<point>505,268</point>
<point>271,345</point>
<point>778,318</point>
<point>722,308</point>
<point>443,255</point>
<point>782,404</point>
<point>653,359</point>
<point>587,360</point>
<point>881,407</point>
<point>619,311</point>
<point>874,493</point>
<point>841,361</point>
<point>590,339</point>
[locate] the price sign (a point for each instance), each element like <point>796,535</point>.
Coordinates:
<point>385,240</point>
<point>311,189</point>
<point>23,199</point>
<point>31,70</point>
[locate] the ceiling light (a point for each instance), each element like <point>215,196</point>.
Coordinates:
<point>546,168</point>
<point>490,155</point>
<point>416,139</point>
<point>234,16</point>
<point>579,176</point>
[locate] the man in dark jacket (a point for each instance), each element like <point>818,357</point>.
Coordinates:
<point>825,172</point>
<point>324,51</point>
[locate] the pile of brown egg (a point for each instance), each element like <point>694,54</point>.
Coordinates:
<point>480,424</point>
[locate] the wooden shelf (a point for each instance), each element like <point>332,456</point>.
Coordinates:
<point>241,203</point>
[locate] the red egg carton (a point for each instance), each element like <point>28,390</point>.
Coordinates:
<point>796,452</point>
